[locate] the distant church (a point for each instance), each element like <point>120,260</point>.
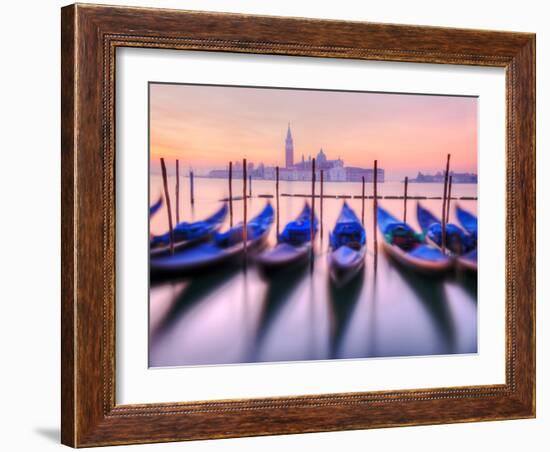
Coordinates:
<point>321,161</point>
<point>334,169</point>
<point>289,149</point>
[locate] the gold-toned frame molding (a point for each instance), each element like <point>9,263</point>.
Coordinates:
<point>90,36</point>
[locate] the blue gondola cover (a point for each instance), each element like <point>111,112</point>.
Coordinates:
<point>456,239</point>
<point>155,207</point>
<point>254,228</point>
<point>193,231</point>
<point>401,234</point>
<point>298,232</point>
<point>348,230</point>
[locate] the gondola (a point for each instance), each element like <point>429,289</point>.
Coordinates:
<point>467,221</point>
<point>408,248</point>
<point>293,244</point>
<point>468,261</point>
<point>224,248</point>
<point>348,244</point>
<point>455,239</point>
<point>187,234</point>
<point>155,207</point>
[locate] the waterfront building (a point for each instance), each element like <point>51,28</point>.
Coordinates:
<point>439,177</point>
<point>337,174</point>
<point>334,170</point>
<point>354,174</point>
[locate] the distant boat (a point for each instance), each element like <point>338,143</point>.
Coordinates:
<point>455,239</point>
<point>348,243</point>
<point>294,244</point>
<point>467,220</point>
<point>468,261</point>
<point>408,248</point>
<point>222,249</point>
<point>187,234</point>
<point>155,207</point>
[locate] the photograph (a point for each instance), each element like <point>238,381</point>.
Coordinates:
<point>269,220</point>
<point>290,224</point>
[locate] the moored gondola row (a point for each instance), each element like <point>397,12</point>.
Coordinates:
<point>201,245</point>
<point>189,248</point>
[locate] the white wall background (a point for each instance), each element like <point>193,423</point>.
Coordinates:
<point>29,162</point>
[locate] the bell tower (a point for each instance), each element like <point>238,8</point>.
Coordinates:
<point>289,149</point>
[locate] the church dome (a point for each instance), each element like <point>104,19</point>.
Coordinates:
<point>321,157</point>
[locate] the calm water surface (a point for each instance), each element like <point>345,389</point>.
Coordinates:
<point>232,316</point>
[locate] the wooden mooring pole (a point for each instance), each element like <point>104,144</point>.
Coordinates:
<point>192,187</point>
<point>375,205</point>
<point>230,181</point>
<point>363,200</point>
<point>444,208</point>
<point>312,219</point>
<point>245,231</point>
<point>168,207</point>
<point>321,204</point>
<point>405,199</point>
<point>449,199</point>
<point>277,197</point>
<point>250,186</point>
<point>177,191</point>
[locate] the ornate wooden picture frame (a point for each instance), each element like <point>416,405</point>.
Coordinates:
<point>90,37</point>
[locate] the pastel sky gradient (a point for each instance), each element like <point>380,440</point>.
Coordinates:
<point>207,126</point>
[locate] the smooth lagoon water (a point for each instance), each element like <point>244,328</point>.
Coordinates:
<point>231,316</point>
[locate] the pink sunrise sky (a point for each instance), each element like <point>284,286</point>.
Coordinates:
<point>207,126</point>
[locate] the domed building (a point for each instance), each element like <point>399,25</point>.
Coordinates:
<point>321,157</point>
<point>323,163</point>
<point>334,170</point>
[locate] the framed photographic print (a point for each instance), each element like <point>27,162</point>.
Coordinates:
<point>281,225</point>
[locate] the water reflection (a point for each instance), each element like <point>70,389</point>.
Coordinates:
<point>431,295</point>
<point>372,349</point>
<point>293,322</point>
<point>232,315</point>
<point>343,301</point>
<point>195,290</point>
<point>468,281</point>
<point>280,287</point>
<point>164,296</point>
